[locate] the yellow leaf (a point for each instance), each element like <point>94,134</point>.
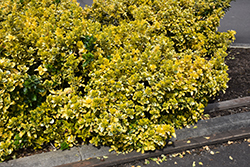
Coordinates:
<point>41,70</point>
<point>21,133</point>
<point>207,138</point>
<point>188,141</point>
<point>230,157</point>
<point>206,147</point>
<point>200,163</point>
<point>1,131</point>
<point>174,135</point>
<point>211,152</point>
<point>28,134</point>
<point>170,143</point>
<point>105,157</point>
<point>71,138</point>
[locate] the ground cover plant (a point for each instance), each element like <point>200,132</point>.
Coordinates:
<point>119,73</point>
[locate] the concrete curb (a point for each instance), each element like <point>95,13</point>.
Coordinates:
<point>58,157</point>
<point>240,46</point>
<point>178,146</point>
<point>224,105</point>
<point>77,155</point>
<point>214,126</point>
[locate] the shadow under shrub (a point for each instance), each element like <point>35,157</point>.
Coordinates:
<point>119,73</point>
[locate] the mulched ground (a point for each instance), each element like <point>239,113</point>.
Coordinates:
<point>238,62</point>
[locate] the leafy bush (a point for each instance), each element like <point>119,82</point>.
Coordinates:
<point>167,60</point>
<point>120,73</point>
<point>45,47</point>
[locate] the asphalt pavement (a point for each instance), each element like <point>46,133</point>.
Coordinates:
<point>223,155</point>
<point>83,3</point>
<point>238,19</point>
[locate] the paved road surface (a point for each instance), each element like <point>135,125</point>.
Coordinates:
<point>85,2</point>
<point>239,154</point>
<point>238,19</point>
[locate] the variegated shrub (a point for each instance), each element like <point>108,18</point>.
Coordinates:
<point>45,54</point>
<point>160,61</point>
<point>122,73</point>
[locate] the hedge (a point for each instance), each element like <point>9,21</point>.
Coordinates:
<point>122,73</point>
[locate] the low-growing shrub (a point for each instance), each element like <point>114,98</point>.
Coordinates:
<point>167,60</point>
<point>119,73</point>
<point>46,48</point>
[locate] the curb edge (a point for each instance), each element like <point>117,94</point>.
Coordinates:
<point>177,146</point>
<point>240,46</point>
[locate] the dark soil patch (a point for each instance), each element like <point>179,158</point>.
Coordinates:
<point>238,62</point>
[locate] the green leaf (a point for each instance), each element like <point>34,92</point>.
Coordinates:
<point>64,146</point>
<point>25,90</point>
<point>34,98</point>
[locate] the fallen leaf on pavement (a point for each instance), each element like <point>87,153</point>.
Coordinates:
<point>188,141</point>
<point>188,152</point>
<point>175,155</point>
<point>217,152</point>
<point>195,127</point>
<point>147,161</point>
<point>175,163</point>
<point>164,157</point>
<point>207,138</point>
<point>230,142</point>
<point>154,159</point>
<point>231,158</point>
<point>211,152</point>
<point>206,147</point>
<point>194,164</point>
<point>200,163</point>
